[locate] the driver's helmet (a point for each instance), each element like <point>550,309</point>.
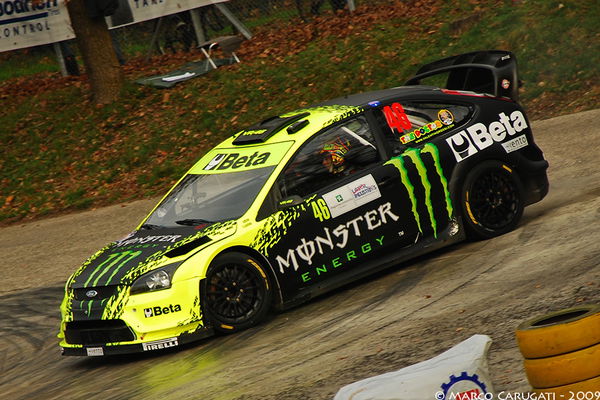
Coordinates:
<point>334,155</point>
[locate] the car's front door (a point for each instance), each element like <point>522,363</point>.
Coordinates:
<point>347,206</point>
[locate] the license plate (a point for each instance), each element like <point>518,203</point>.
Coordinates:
<point>94,351</point>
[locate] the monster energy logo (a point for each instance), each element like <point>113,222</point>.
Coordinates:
<point>116,260</point>
<point>339,237</point>
<point>415,156</point>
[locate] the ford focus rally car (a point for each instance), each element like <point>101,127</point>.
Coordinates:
<point>307,201</point>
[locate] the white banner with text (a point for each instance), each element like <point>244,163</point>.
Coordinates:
<point>24,23</point>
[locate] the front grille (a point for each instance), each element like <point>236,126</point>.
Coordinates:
<point>98,332</point>
<point>103,292</point>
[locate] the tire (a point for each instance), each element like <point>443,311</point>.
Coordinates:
<point>491,200</point>
<point>564,369</point>
<point>567,391</point>
<point>237,292</point>
<point>560,332</point>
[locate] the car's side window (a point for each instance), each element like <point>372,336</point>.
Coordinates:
<point>412,123</point>
<point>329,157</point>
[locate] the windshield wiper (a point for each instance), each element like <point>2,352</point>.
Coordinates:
<point>150,226</point>
<point>193,221</point>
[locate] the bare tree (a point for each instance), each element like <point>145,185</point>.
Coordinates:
<point>95,44</point>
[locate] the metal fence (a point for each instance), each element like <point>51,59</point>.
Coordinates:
<point>185,30</point>
<point>285,9</point>
<point>179,32</point>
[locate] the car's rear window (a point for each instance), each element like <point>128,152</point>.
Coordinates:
<point>426,121</point>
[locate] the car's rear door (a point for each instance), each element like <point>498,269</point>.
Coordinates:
<point>413,130</point>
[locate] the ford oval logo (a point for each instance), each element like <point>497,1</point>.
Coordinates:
<point>91,293</point>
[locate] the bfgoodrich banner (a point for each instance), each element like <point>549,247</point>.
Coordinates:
<point>23,24</point>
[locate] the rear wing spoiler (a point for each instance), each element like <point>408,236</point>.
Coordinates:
<point>492,71</point>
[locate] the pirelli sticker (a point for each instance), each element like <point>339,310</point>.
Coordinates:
<point>160,344</point>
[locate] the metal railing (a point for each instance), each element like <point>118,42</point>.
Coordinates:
<point>187,29</point>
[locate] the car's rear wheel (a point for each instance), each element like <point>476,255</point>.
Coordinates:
<point>237,293</point>
<point>491,200</point>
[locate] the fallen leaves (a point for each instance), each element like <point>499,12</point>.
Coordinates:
<point>108,155</point>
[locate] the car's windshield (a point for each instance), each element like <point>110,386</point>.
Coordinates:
<point>201,198</point>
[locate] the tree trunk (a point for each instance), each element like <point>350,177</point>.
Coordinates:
<point>95,44</point>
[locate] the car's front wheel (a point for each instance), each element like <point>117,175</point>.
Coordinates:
<point>237,293</point>
<point>491,200</point>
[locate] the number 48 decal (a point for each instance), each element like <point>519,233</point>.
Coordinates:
<point>320,209</point>
<point>396,117</point>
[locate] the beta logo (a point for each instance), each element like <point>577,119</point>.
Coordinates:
<point>215,161</point>
<point>235,161</point>
<point>478,136</point>
<point>155,311</point>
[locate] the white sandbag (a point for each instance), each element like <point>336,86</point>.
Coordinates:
<point>459,373</point>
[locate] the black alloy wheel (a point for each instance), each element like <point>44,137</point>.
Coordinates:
<point>237,292</point>
<point>492,200</point>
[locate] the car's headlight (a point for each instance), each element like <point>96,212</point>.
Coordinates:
<point>158,279</point>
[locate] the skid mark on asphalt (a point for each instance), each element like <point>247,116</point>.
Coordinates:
<point>529,231</point>
<point>563,198</point>
<point>30,319</point>
<point>338,310</point>
<point>347,308</point>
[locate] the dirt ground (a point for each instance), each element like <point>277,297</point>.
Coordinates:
<point>405,315</point>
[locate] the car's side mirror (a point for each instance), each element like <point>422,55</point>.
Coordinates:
<point>289,202</point>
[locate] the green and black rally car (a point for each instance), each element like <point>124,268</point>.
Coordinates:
<point>307,201</point>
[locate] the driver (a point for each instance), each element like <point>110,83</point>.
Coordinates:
<point>334,155</point>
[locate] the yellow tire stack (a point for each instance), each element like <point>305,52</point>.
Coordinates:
<point>562,350</point>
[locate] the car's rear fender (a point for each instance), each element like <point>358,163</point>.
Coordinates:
<point>531,173</point>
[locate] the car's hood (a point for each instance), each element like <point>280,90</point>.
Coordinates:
<point>123,261</point>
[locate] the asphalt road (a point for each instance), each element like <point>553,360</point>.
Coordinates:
<point>407,314</point>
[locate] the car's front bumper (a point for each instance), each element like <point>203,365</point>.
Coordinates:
<point>114,349</point>
<point>133,323</point>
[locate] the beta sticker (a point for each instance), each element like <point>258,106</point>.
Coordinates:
<point>242,158</point>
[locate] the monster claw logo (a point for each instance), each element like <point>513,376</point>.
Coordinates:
<point>415,155</point>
